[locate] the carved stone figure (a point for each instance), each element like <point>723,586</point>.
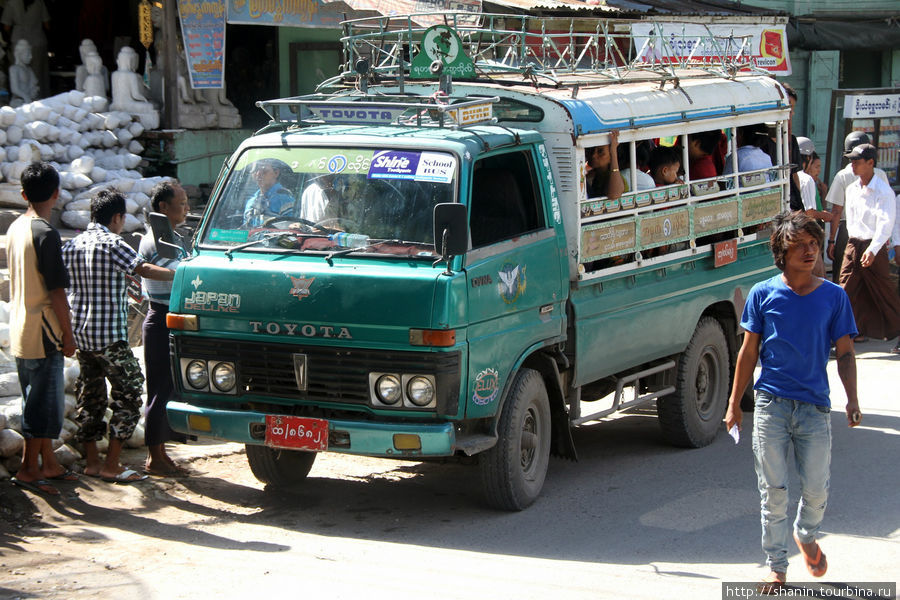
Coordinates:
<point>81,71</point>
<point>94,83</point>
<point>23,82</point>
<point>129,91</point>
<point>228,115</point>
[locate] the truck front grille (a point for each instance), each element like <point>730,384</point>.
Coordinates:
<point>333,374</point>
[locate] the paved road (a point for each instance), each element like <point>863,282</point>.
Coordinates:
<point>634,518</point>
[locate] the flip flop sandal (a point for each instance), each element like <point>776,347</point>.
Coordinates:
<point>770,585</point>
<point>126,476</point>
<point>68,475</point>
<point>816,565</point>
<point>38,486</point>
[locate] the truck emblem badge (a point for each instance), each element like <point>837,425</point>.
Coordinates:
<point>487,384</point>
<point>300,286</point>
<point>512,282</point>
<point>197,282</point>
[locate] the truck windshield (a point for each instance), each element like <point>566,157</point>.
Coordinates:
<point>323,199</point>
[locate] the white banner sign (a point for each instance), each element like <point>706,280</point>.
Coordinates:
<point>765,45</point>
<point>876,106</point>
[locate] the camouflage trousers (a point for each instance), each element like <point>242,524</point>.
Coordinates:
<point>117,364</point>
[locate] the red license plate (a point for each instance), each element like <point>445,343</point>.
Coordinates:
<point>296,433</point>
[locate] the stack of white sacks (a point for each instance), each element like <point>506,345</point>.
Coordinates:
<point>11,440</point>
<point>90,147</point>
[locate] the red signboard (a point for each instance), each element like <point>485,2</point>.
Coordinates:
<point>725,252</point>
<point>296,433</point>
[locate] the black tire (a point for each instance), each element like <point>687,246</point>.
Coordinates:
<point>692,416</point>
<point>513,471</point>
<point>279,467</point>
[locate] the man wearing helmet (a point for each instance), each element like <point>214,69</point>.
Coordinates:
<point>837,239</point>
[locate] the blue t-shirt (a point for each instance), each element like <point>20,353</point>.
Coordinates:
<point>260,207</point>
<point>796,334</point>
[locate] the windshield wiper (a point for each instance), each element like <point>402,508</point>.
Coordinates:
<point>265,238</point>
<point>371,244</point>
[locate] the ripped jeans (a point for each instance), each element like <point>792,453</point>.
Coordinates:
<point>778,425</point>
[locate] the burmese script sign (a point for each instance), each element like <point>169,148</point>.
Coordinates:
<point>665,228</point>
<point>203,33</point>
<point>607,239</point>
<point>710,217</point>
<point>284,13</point>
<point>760,208</point>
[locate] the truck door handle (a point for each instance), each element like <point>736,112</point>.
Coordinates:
<point>546,309</point>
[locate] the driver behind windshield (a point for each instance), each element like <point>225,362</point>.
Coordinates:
<point>272,199</point>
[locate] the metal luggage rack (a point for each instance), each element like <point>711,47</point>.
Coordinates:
<point>548,51</point>
<point>357,108</point>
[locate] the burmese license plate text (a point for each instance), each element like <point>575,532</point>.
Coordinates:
<point>298,433</point>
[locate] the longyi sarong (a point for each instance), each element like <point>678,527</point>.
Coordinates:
<point>876,305</point>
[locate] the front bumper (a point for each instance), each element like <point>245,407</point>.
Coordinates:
<point>356,437</point>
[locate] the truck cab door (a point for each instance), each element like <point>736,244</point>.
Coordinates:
<point>514,273</point>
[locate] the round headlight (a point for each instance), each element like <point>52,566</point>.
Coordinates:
<point>387,388</point>
<point>420,391</point>
<point>223,377</point>
<point>196,374</point>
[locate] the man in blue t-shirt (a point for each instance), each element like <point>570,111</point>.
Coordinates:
<point>272,199</point>
<point>791,321</point>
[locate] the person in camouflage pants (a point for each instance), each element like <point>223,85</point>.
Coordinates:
<point>98,261</point>
<point>116,363</point>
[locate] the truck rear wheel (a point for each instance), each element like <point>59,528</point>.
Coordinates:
<point>279,467</point>
<point>692,416</point>
<point>513,471</point>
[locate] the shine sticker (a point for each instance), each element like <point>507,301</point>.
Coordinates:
<point>487,384</point>
<point>512,282</point>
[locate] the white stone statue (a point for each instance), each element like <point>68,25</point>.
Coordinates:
<point>81,71</point>
<point>129,91</point>
<point>228,115</point>
<point>23,83</point>
<point>94,83</point>
<point>193,110</point>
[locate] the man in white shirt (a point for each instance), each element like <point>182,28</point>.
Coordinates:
<point>871,209</point>
<point>837,240</point>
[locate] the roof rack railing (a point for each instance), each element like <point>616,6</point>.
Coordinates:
<point>600,49</point>
<point>363,109</point>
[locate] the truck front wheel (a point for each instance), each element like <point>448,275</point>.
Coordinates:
<point>692,416</point>
<point>513,471</point>
<point>279,467</point>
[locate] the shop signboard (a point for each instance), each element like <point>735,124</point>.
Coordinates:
<point>872,106</point>
<point>765,45</point>
<point>203,34</point>
<point>284,13</point>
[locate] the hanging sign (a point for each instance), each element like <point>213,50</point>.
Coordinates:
<point>442,44</point>
<point>203,33</point>
<point>284,13</point>
<point>765,45</point>
<point>872,106</point>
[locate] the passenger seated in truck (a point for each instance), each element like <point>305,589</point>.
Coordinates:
<point>603,177</point>
<point>703,148</point>
<point>643,180</point>
<point>271,199</point>
<point>752,141</point>
<point>665,163</point>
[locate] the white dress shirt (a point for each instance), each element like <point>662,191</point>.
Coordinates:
<point>842,179</point>
<point>807,190</point>
<point>871,211</point>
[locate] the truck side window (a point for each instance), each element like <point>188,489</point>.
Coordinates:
<point>503,200</point>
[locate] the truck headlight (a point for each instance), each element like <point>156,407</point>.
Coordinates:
<point>388,389</point>
<point>196,374</point>
<point>420,390</point>
<point>223,377</point>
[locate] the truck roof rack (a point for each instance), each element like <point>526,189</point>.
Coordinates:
<point>553,51</point>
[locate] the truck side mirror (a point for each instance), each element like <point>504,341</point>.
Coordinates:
<point>165,237</point>
<point>451,232</point>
